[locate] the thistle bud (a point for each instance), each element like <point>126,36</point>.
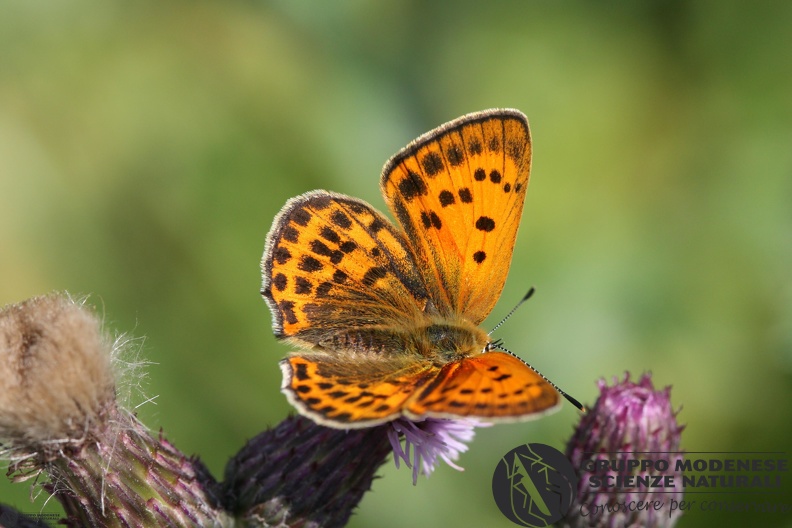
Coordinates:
<point>55,374</point>
<point>304,475</point>
<point>59,416</point>
<point>630,422</point>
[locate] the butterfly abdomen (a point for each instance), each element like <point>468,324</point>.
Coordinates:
<point>445,341</point>
<point>367,340</point>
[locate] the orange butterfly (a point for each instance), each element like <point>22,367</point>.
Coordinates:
<point>388,316</point>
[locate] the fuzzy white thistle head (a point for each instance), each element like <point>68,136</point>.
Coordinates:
<point>55,373</point>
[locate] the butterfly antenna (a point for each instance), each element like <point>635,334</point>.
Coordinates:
<point>525,298</point>
<point>498,345</point>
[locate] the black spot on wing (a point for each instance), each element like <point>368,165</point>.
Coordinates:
<point>287,309</point>
<point>430,219</point>
<point>432,164</point>
<point>303,286</point>
<point>485,223</point>
<point>290,234</point>
<point>376,225</point>
<point>309,264</point>
<point>281,255</point>
<point>279,281</point>
<point>320,248</point>
<point>330,235</point>
<point>340,219</point>
<point>455,155</point>
<point>411,186</point>
<point>446,198</point>
<point>324,289</point>
<point>495,176</point>
<point>321,201</point>
<point>427,223</point>
<point>301,216</point>
<point>348,246</point>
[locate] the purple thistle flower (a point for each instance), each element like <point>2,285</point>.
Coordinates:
<point>429,441</point>
<point>630,421</point>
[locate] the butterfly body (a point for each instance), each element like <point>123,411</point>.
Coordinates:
<point>439,341</point>
<point>387,316</point>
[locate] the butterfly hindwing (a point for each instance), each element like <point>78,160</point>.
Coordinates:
<point>495,386</point>
<point>335,391</point>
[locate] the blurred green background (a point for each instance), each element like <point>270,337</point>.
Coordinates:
<point>145,149</point>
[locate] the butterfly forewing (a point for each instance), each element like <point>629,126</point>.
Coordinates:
<point>334,264</point>
<point>458,192</point>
